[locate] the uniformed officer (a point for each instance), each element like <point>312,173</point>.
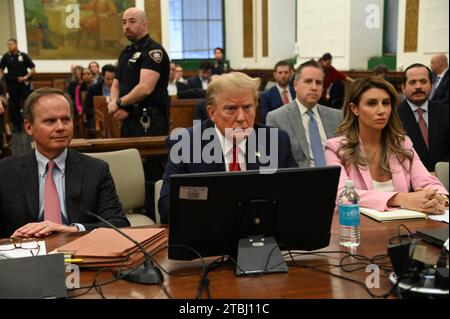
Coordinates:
<point>139,94</point>
<point>219,64</point>
<point>20,69</point>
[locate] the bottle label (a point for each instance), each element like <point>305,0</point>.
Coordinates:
<point>349,215</point>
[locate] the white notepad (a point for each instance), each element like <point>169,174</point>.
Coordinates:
<point>390,215</point>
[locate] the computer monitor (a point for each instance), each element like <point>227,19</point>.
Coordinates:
<point>211,212</point>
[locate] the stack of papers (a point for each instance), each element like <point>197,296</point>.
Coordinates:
<point>391,215</point>
<point>105,247</point>
<point>440,218</point>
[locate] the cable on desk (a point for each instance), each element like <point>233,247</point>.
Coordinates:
<point>341,265</point>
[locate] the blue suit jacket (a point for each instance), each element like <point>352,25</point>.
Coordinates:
<point>285,159</point>
<point>271,100</point>
<point>441,94</point>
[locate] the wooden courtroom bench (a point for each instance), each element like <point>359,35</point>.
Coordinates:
<point>181,112</point>
<point>105,124</point>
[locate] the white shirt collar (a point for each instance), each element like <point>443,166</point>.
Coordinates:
<point>280,89</point>
<point>227,145</point>
<point>414,107</point>
<point>42,161</point>
<point>443,73</point>
<point>303,109</point>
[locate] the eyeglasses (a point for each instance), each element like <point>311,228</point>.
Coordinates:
<point>25,244</point>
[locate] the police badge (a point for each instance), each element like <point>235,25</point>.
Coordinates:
<point>156,55</point>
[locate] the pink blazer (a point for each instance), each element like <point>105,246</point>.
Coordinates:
<point>406,177</point>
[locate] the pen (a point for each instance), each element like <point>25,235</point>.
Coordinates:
<point>73,260</point>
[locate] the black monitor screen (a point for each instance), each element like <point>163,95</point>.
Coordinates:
<point>210,212</point>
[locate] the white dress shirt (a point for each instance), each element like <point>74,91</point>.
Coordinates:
<point>280,90</point>
<point>425,111</point>
<point>59,179</point>
<point>172,88</point>
<point>305,120</point>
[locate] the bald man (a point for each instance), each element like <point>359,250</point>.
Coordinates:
<point>439,66</point>
<point>139,96</point>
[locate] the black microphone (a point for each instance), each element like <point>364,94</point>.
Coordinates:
<point>147,273</point>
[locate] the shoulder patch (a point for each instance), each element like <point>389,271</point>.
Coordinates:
<point>156,55</point>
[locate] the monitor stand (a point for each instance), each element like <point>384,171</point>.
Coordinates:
<point>259,255</point>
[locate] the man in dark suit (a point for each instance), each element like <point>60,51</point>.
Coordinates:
<point>101,88</point>
<point>204,77</point>
<point>440,88</point>
<point>51,189</point>
<point>426,122</point>
<point>281,94</point>
<point>230,140</point>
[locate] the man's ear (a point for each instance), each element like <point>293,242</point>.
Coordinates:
<point>28,127</point>
<point>211,111</point>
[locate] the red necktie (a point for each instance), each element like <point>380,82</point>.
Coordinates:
<point>52,206</point>
<point>234,165</point>
<point>285,97</point>
<point>423,125</point>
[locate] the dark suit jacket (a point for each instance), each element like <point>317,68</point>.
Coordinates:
<point>195,82</point>
<point>441,94</point>
<point>93,90</point>
<point>88,186</point>
<point>285,159</point>
<point>186,92</point>
<point>271,100</point>
<point>438,131</point>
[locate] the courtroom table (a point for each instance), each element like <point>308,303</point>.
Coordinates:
<point>147,146</point>
<point>297,283</point>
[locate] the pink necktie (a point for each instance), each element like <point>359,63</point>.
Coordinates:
<point>285,97</point>
<point>423,125</point>
<point>52,206</point>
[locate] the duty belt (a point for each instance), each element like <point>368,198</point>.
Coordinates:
<point>144,115</point>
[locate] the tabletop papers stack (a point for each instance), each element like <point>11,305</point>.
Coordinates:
<point>105,247</point>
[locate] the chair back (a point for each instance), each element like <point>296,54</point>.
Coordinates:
<point>441,171</point>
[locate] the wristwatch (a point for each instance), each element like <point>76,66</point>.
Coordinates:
<point>119,103</point>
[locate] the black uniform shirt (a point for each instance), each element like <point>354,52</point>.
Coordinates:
<point>17,65</point>
<point>146,54</point>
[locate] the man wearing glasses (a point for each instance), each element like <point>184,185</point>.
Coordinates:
<point>50,189</point>
<point>230,140</point>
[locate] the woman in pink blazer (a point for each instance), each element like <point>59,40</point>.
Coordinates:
<point>373,151</point>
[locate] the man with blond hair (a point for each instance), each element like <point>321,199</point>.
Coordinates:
<point>230,140</point>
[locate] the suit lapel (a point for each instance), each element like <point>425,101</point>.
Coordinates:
<point>30,181</point>
<point>295,120</point>
<point>398,176</point>
<point>73,180</point>
<point>326,121</point>
<point>278,98</point>
<point>365,171</point>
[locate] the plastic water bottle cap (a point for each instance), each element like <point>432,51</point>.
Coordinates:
<point>349,183</point>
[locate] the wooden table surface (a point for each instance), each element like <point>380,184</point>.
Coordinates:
<point>296,283</point>
<point>147,146</point>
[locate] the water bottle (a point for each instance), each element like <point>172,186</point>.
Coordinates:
<point>349,233</point>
